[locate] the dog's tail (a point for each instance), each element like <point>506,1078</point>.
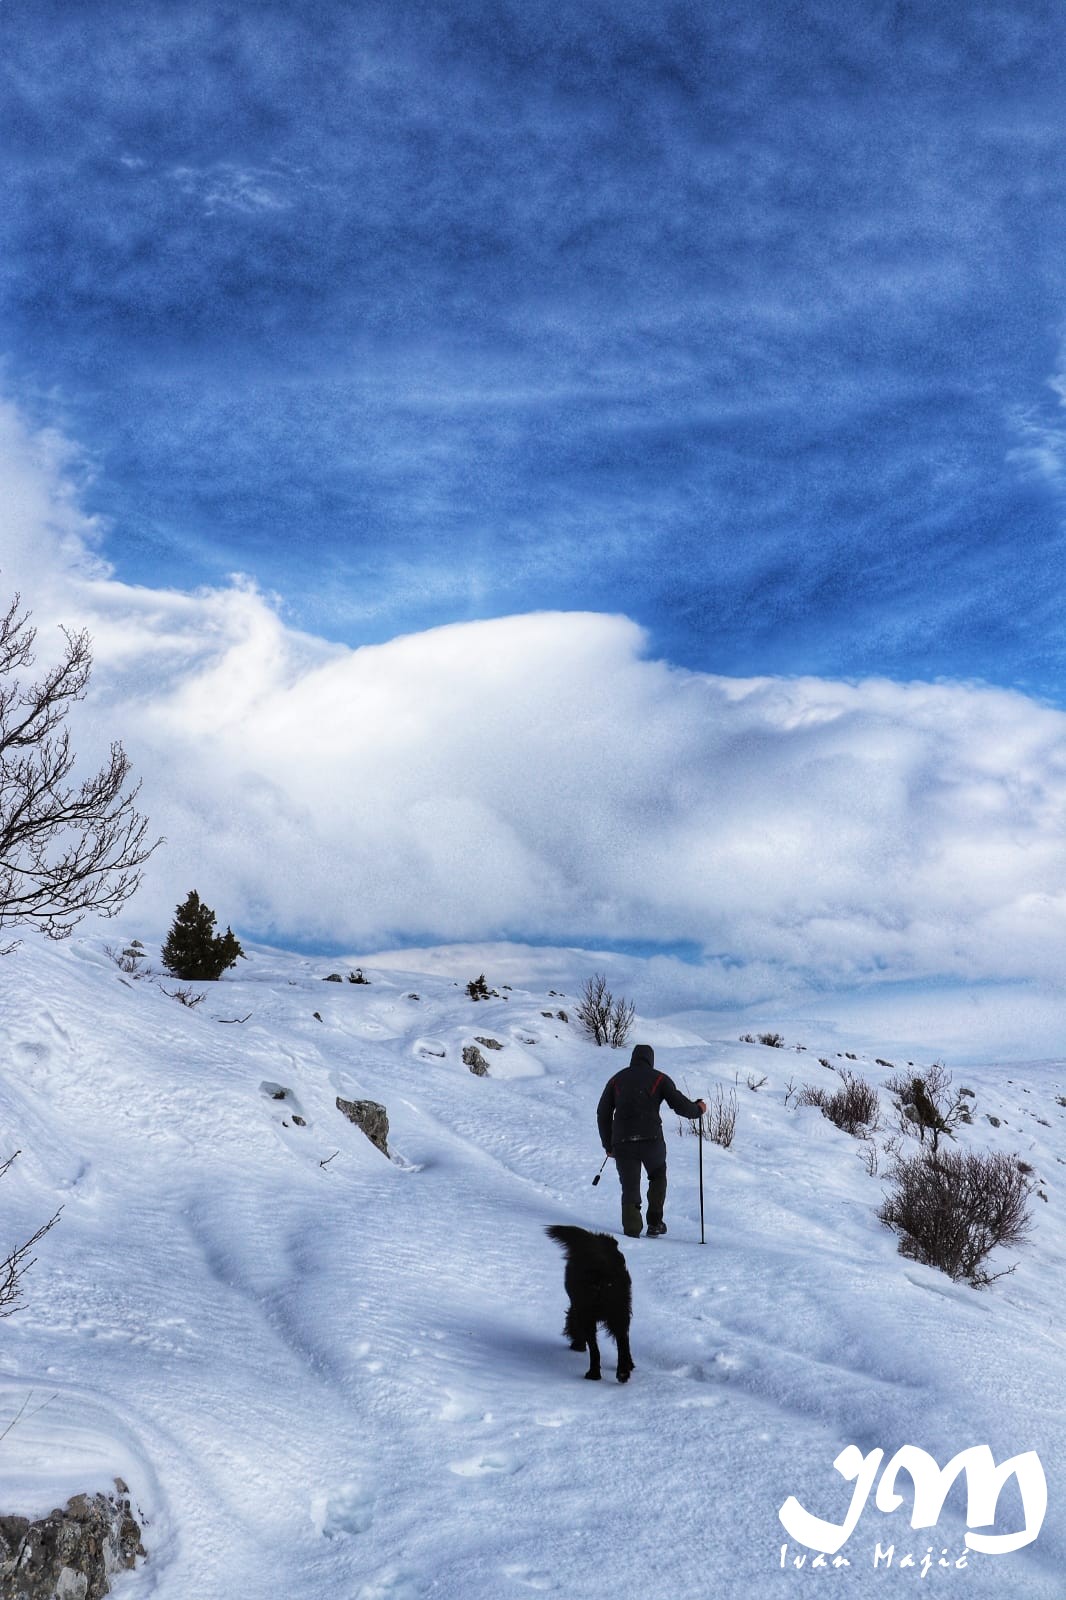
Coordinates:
<point>568,1237</point>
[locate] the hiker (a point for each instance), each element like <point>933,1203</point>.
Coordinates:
<point>631,1131</point>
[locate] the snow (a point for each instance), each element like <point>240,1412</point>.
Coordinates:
<point>324,1373</point>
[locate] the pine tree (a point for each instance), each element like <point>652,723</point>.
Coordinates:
<point>193,949</point>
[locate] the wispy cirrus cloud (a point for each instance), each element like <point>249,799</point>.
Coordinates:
<point>715,320</point>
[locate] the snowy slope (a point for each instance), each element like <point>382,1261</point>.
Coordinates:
<point>347,1379</point>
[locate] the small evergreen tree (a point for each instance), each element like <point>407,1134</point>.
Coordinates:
<point>194,951</point>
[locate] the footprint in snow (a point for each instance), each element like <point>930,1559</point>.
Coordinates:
<point>462,1408</point>
<point>347,1509</point>
<point>484,1466</point>
<point>392,1583</point>
<point>530,1578</point>
<point>553,1419</point>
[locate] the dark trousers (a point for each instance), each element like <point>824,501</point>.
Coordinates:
<point>650,1154</point>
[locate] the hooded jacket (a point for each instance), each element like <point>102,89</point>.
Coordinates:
<point>630,1104</point>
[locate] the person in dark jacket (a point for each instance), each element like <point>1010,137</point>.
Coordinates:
<point>631,1131</point>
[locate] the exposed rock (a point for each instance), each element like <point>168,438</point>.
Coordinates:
<point>372,1118</point>
<point>475,1060</point>
<point>490,1044</point>
<point>334,977</point>
<point>562,1016</point>
<point>71,1553</point>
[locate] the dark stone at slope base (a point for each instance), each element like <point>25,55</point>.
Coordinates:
<point>372,1118</point>
<point>70,1554</point>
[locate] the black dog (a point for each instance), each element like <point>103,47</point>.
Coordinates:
<point>600,1290</point>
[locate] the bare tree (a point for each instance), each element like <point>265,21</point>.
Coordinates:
<point>66,849</point>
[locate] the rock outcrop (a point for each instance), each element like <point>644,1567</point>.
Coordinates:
<point>372,1118</point>
<point>475,1060</point>
<point>72,1553</point>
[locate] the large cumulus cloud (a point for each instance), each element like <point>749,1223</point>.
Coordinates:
<point>542,776</point>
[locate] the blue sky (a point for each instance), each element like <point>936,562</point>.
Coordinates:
<point>739,320</point>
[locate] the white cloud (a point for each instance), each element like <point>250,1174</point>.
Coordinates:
<point>539,775</point>
<point>1042,450</point>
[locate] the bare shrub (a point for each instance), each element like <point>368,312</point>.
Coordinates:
<point>131,960</point>
<point>719,1121</point>
<point>756,1083</point>
<point>186,997</point>
<point>774,1040</point>
<point>927,1104</point>
<point>477,988</point>
<point>952,1209</point>
<point>20,1260</point>
<point>854,1107</point>
<point>604,1018</point>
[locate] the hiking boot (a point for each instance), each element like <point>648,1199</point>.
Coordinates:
<point>656,1228</point>
<point>632,1222</point>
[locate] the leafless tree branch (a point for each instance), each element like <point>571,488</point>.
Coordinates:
<point>66,848</point>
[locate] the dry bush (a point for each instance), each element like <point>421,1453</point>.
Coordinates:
<point>604,1018</point>
<point>927,1104</point>
<point>19,1262</point>
<point>774,1040</point>
<point>953,1209</point>
<point>854,1107</point>
<point>132,959</point>
<point>720,1119</point>
<point>187,997</point>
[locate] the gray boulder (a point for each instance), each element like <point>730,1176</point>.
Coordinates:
<point>372,1118</point>
<point>475,1060</point>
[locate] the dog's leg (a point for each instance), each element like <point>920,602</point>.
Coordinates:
<point>594,1352</point>
<point>625,1358</point>
<point>572,1331</point>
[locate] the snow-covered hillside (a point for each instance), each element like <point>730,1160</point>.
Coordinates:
<point>327,1374</point>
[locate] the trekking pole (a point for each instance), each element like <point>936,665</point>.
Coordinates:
<point>702,1239</point>
<point>599,1174</point>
